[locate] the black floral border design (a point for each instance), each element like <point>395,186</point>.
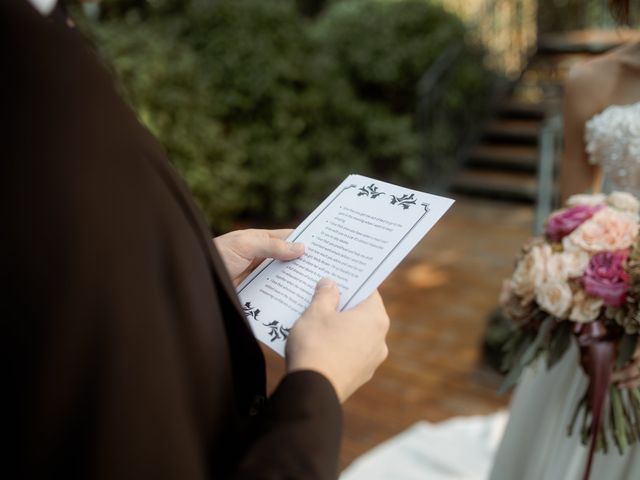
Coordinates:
<point>277,331</point>
<point>405,201</point>
<point>370,191</point>
<point>250,311</point>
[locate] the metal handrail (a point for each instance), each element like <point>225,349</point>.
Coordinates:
<point>429,90</point>
<point>431,78</point>
<point>549,153</point>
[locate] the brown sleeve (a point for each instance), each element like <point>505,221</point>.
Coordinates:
<point>123,355</point>
<point>298,434</point>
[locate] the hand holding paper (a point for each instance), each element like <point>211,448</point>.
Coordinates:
<point>357,236</point>
<point>243,250</point>
<point>346,347</point>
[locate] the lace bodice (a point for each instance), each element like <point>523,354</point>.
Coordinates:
<point>612,140</point>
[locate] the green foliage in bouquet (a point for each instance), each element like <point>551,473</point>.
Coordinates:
<point>543,335</point>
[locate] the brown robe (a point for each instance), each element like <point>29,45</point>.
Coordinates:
<point>124,351</point>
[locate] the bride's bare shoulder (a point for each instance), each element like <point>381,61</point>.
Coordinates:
<point>589,85</point>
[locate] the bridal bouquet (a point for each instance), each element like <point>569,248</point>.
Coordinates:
<point>581,283</point>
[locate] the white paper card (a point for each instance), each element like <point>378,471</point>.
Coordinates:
<point>357,236</point>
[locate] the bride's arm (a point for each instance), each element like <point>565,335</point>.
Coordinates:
<point>582,100</point>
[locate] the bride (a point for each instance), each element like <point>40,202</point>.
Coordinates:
<point>602,152</point>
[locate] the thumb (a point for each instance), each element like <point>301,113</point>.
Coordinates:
<point>272,247</point>
<point>326,297</point>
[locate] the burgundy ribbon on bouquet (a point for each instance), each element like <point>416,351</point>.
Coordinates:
<point>598,351</point>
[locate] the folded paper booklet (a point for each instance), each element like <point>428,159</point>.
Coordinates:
<point>357,236</point>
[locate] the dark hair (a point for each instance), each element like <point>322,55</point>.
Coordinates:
<point>620,11</point>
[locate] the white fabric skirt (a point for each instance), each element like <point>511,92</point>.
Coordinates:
<point>536,446</point>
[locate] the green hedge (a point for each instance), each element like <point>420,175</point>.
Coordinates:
<point>164,82</point>
<point>385,46</point>
<point>264,111</point>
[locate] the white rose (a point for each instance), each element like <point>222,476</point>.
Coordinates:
<point>530,272</point>
<point>555,269</point>
<point>569,246</point>
<point>574,262</point>
<point>585,308</point>
<point>555,297</point>
<point>624,201</point>
<point>584,199</point>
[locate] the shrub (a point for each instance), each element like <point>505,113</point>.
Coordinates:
<point>385,47</point>
<point>163,81</point>
<point>264,111</point>
<point>302,127</point>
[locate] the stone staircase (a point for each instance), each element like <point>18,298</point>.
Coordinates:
<point>502,165</point>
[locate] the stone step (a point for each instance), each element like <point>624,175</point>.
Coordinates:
<point>523,158</point>
<point>516,108</point>
<point>593,41</point>
<point>496,184</point>
<point>521,131</point>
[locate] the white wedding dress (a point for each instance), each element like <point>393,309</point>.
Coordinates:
<point>535,445</point>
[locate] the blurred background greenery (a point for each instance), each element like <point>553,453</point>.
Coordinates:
<point>265,106</point>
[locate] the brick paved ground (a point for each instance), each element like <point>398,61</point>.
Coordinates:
<point>438,300</point>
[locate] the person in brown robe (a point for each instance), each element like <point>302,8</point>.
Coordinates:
<point>124,350</point>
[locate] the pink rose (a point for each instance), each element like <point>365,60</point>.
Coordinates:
<point>566,221</point>
<point>607,230</point>
<point>606,277</point>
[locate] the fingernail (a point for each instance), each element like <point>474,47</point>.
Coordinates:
<point>326,283</point>
<point>296,247</point>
